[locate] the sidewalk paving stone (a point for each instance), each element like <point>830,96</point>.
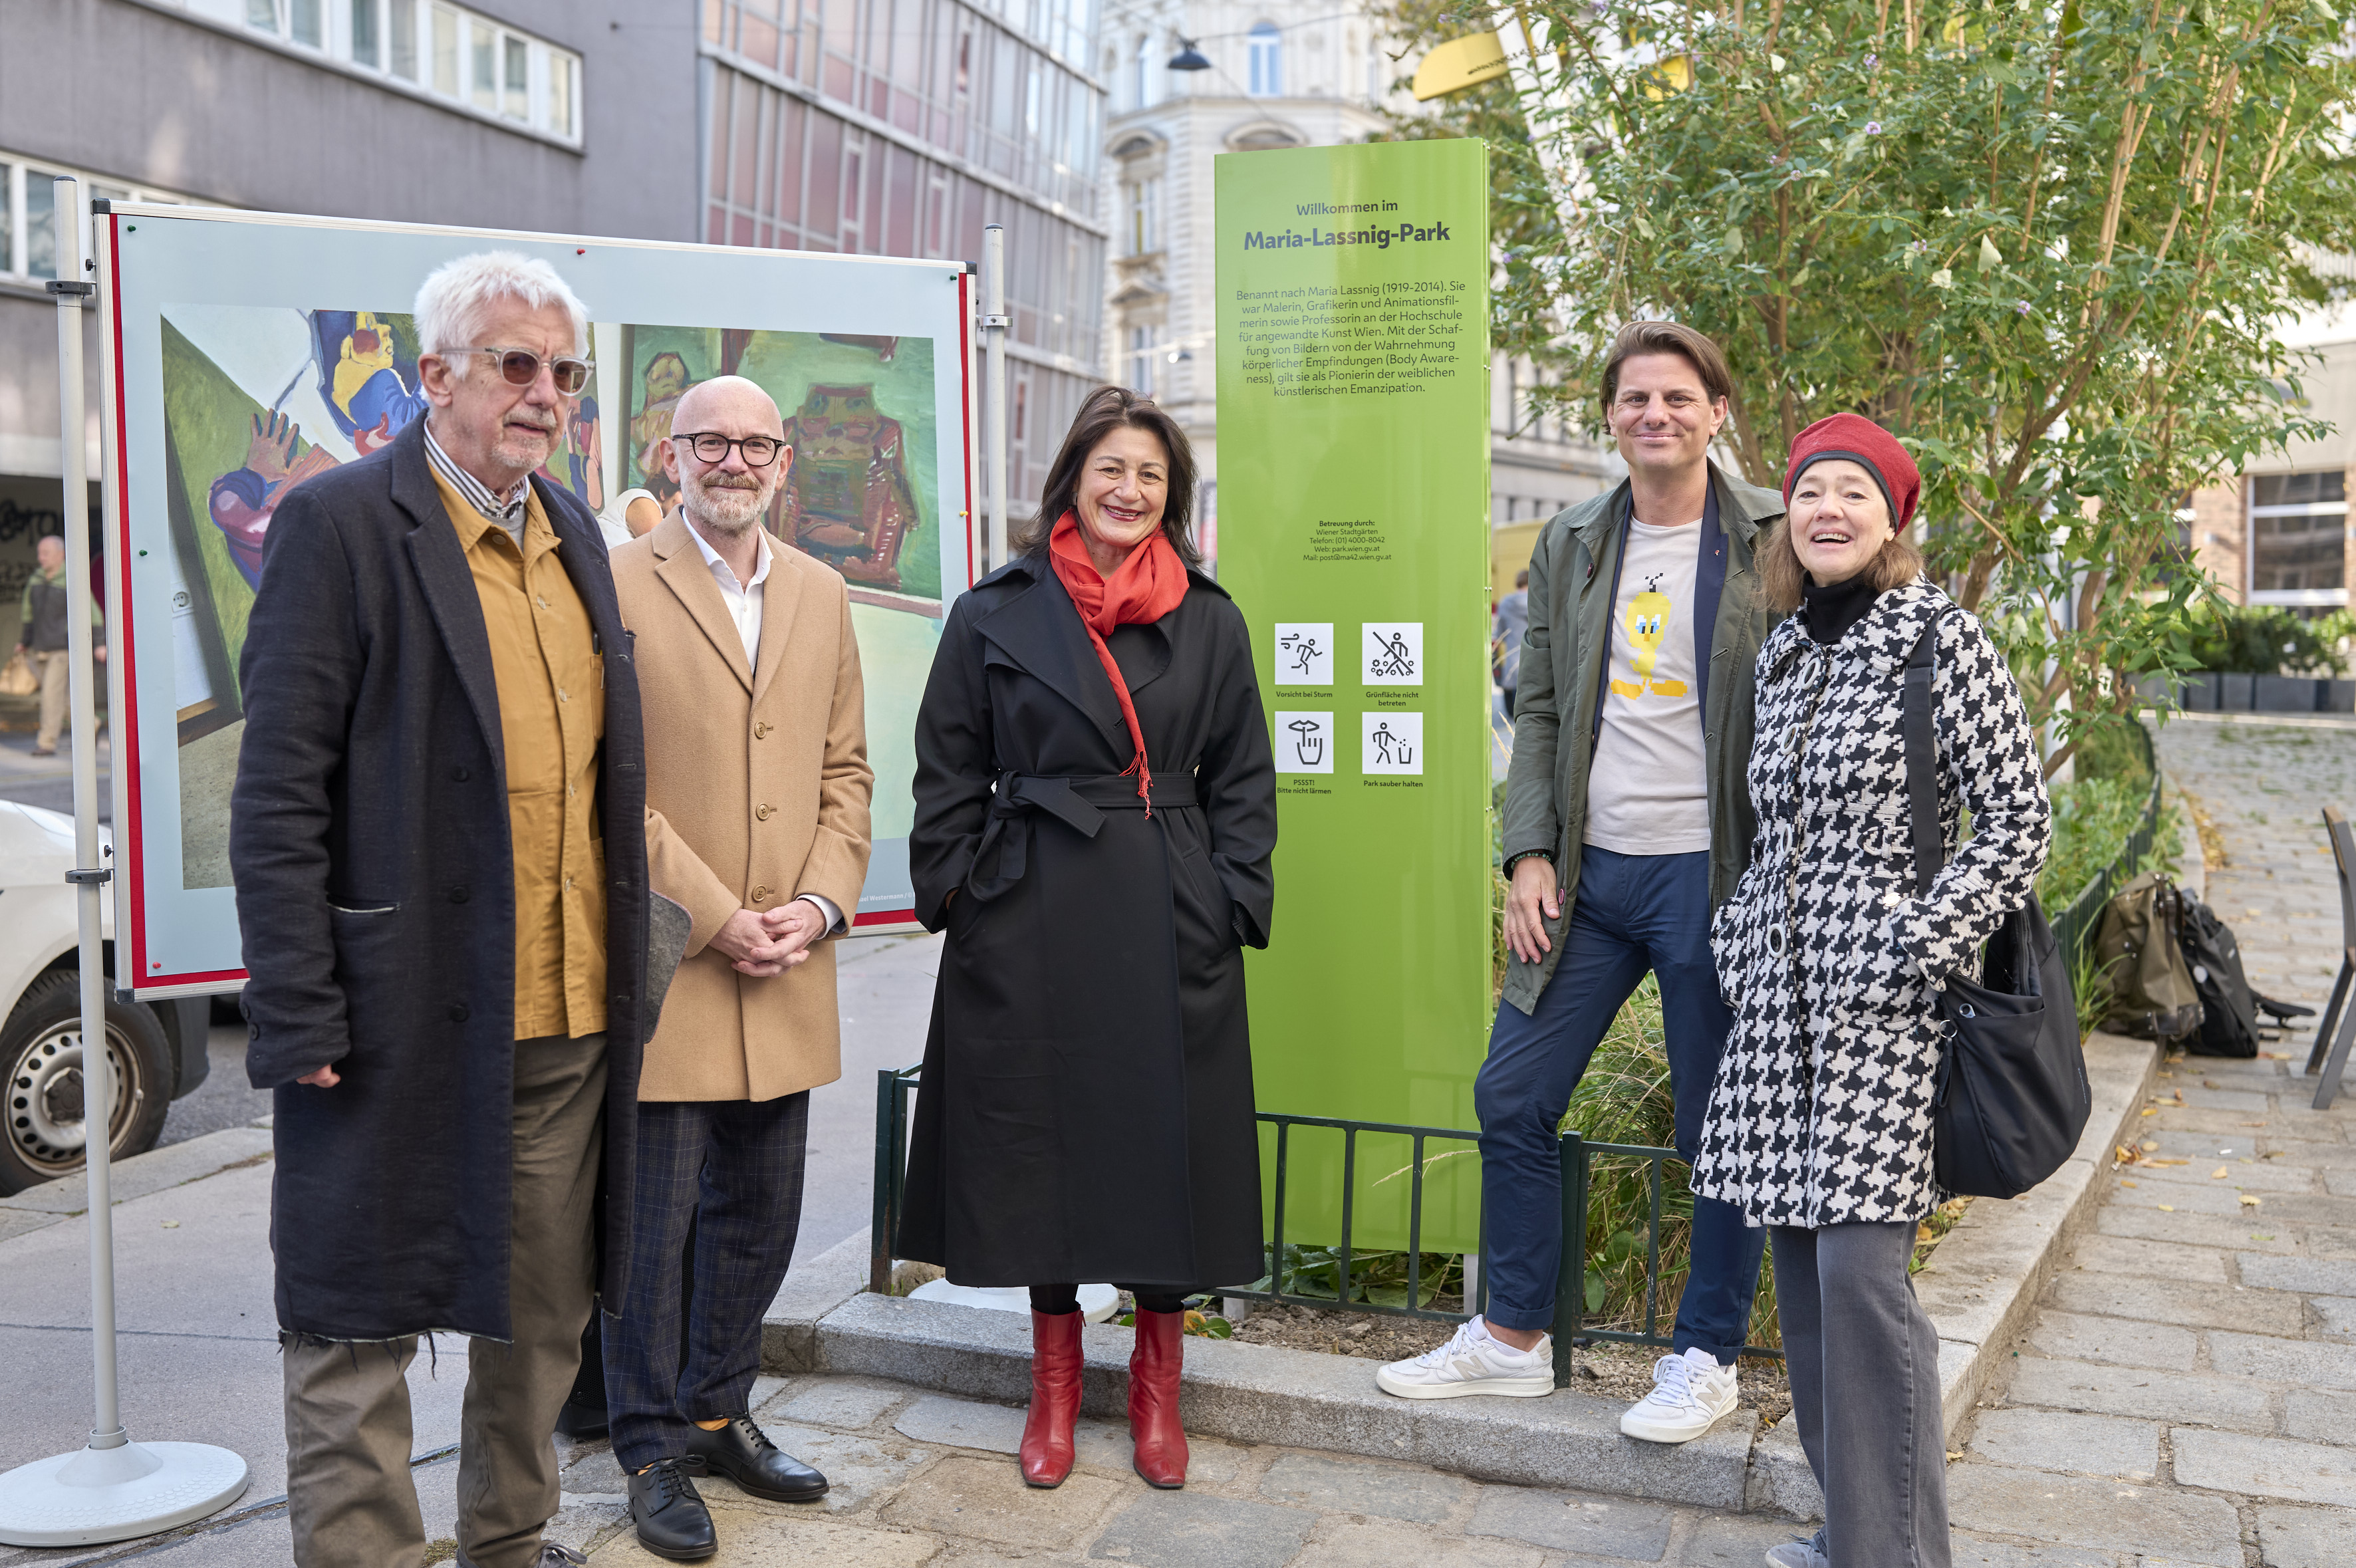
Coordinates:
<point>750,1540</point>
<point>2118,1255</point>
<point>836,1402</point>
<point>2289,1362</point>
<point>2144,1222</point>
<point>2321,1416</point>
<point>1334,1484</point>
<point>2335,1316</point>
<point>2072,1336</point>
<point>1387,1543</point>
<point>2105,1515</point>
<point>1610,1527</point>
<point>987,1500</point>
<point>2265,1466</point>
<point>2169,1301</point>
<point>2305,1537</point>
<point>2149,1393</point>
<point>2084,1445</point>
<point>2271,1271</point>
<point>1190,1530</point>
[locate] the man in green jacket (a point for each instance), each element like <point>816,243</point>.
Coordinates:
<point>41,637</point>
<point>1627,822</point>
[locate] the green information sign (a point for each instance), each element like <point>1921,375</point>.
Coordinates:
<point>1354,468</point>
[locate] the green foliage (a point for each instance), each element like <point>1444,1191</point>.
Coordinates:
<point>2046,247</point>
<point>1376,1277</point>
<point>2266,639</point>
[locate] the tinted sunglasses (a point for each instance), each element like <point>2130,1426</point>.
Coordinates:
<point>520,368</point>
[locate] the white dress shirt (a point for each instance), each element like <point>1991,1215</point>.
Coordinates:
<point>743,602</point>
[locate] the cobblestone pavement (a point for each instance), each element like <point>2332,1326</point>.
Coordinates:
<point>922,1478</point>
<point>2188,1390</point>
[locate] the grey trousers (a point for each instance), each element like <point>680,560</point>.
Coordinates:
<point>348,1493</point>
<point>1863,1359</point>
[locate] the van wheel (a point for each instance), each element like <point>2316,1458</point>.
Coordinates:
<point>42,1053</point>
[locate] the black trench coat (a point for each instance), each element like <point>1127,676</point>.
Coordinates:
<point>1086,1111</point>
<point>370,778</point>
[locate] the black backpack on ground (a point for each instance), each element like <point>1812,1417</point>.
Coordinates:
<point>2229,1013</point>
<point>2012,1098</point>
<point>2230,1024</point>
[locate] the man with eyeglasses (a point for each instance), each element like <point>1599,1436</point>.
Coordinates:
<point>757,790</point>
<point>437,834</point>
<point>1627,822</point>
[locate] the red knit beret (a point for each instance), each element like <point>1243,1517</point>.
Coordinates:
<point>1859,439</point>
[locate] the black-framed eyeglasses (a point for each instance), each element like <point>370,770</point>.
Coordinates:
<point>521,367</point>
<point>760,451</point>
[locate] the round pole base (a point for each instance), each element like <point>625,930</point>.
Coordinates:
<point>97,1494</point>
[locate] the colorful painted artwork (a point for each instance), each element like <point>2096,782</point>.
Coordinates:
<point>858,411</point>
<point>257,401</point>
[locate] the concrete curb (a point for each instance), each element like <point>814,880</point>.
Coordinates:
<point>1979,1288</point>
<point>172,1166</point>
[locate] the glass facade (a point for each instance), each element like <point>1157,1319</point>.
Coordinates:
<point>901,127</point>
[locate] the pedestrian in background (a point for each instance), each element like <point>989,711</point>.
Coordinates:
<point>1095,812</point>
<point>1511,622</point>
<point>41,638</point>
<point>757,790</point>
<point>438,837</point>
<point>1625,825</point>
<point>1821,1125</point>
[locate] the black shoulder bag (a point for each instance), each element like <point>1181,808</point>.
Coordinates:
<point>2011,1099</point>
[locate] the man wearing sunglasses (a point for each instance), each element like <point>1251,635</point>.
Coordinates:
<point>437,834</point>
<point>757,789</point>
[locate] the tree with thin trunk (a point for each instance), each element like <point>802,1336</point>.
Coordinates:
<point>2050,246</point>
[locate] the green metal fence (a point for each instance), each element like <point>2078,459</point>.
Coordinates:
<point>2074,926</point>
<point>892,1090</point>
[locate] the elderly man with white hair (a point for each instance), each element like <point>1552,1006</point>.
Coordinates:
<point>437,837</point>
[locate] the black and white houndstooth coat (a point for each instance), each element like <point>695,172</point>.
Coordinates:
<point>1822,1110</point>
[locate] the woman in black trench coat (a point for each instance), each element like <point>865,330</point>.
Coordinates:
<point>1086,1111</point>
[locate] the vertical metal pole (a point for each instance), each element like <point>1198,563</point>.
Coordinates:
<point>993,383</point>
<point>98,1077</point>
<point>1570,1279</point>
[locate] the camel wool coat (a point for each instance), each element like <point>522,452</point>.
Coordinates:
<point>758,793</point>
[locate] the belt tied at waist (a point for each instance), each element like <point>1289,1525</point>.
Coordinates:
<point>1078,802</point>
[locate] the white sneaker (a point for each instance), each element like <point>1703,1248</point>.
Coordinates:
<point>1690,1393</point>
<point>1473,1361</point>
<point>1809,1554</point>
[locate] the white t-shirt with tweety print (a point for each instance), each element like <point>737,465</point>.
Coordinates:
<point>1646,793</point>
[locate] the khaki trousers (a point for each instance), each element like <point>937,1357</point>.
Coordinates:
<point>349,1436</point>
<point>53,667</point>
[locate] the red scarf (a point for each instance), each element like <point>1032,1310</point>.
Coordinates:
<point>1145,587</point>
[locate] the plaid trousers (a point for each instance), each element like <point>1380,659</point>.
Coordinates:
<point>734,1168</point>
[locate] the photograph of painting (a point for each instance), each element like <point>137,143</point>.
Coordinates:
<point>859,415</point>
<point>258,400</point>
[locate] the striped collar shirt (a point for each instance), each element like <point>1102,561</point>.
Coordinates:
<point>507,513</point>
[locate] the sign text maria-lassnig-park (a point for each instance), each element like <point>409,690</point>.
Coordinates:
<point>1353,456</point>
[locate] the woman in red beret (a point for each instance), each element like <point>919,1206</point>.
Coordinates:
<point>1820,1124</point>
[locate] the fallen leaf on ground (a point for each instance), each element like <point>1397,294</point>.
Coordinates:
<point>2218,1173</point>
<point>2168,1208</point>
<point>2211,1083</point>
<point>2124,1182</point>
<point>2151,1110</point>
<point>2168,1162</point>
<point>2253,1123</point>
<point>2150,1146</point>
<point>2249,1200</point>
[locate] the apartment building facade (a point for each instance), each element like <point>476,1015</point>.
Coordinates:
<point>895,127</point>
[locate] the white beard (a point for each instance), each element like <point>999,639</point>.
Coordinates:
<point>724,509</point>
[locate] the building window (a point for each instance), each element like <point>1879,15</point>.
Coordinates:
<point>1143,343</point>
<point>473,60</point>
<point>1141,198</point>
<point>1266,61</point>
<point>28,217</point>
<point>2298,530</point>
<point>1142,94</point>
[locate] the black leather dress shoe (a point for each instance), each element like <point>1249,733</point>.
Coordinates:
<point>669,1513</point>
<point>743,1451</point>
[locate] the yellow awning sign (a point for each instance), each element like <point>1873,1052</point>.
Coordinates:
<point>1459,63</point>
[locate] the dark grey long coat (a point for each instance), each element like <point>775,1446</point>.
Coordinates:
<point>1087,1109</point>
<point>370,773</point>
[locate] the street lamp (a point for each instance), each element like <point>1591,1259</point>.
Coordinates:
<point>1189,57</point>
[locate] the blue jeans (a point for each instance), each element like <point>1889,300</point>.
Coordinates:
<point>1632,913</point>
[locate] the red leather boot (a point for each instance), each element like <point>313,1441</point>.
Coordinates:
<point>1055,1398</point>
<point>1153,1369</point>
